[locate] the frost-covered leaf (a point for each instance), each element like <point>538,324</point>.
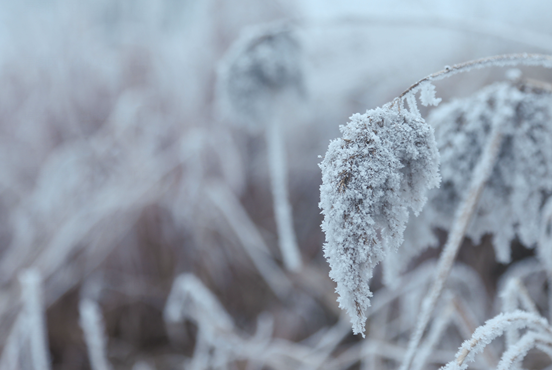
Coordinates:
<point>521,181</point>
<point>371,177</point>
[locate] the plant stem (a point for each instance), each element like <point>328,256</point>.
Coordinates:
<point>282,207</point>
<point>92,325</point>
<point>31,286</point>
<point>494,61</point>
<point>455,237</point>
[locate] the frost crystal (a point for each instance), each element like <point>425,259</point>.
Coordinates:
<point>521,181</point>
<point>371,177</point>
<point>427,95</point>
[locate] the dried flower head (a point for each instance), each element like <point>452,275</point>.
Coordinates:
<point>263,65</point>
<point>521,181</point>
<point>371,177</point>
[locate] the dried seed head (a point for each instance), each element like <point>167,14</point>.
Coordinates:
<point>371,177</point>
<point>521,180</point>
<point>261,67</point>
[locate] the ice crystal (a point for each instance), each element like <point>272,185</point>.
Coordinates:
<point>427,95</point>
<point>371,178</point>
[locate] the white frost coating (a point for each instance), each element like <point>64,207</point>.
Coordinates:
<point>491,330</point>
<point>371,177</point>
<point>438,327</point>
<point>427,95</point>
<point>93,327</point>
<point>14,344</point>
<point>521,180</point>
<point>263,64</point>
<point>462,219</point>
<point>258,77</point>
<point>190,299</point>
<point>511,359</point>
<point>412,105</point>
<point>282,206</point>
<point>514,291</point>
<point>32,303</point>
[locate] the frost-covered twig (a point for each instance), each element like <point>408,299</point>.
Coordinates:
<point>31,288</point>
<point>257,77</point>
<point>438,326</point>
<point>93,327</point>
<point>516,352</point>
<point>494,61</point>
<point>466,324</point>
<point>190,299</point>
<point>371,178</point>
<point>14,344</point>
<point>494,328</point>
<point>456,235</point>
<point>514,291</point>
<point>282,206</point>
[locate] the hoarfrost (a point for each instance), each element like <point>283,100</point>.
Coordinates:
<point>427,95</point>
<point>511,204</point>
<point>492,329</point>
<point>371,177</point>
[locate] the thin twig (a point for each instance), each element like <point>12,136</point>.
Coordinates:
<point>31,287</point>
<point>466,324</point>
<point>515,354</point>
<point>91,321</point>
<point>494,328</point>
<point>494,61</point>
<point>456,235</point>
<point>282,207</point>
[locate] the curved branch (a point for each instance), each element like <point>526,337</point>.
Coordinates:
<point>515,354</point>
<point>494,61</point>
<point>494,328</point>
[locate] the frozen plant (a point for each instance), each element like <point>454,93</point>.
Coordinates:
<point>31,286</point>
<point>538,334</point>
<point>29,330</point>
<point>367,190</point>
<point>511,204</point>
<point>263,65</point>
<point>380,168</point>
<point>260,78</point>
<point>92,325</point>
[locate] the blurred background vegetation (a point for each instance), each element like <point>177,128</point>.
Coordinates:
<point>119,171</point>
